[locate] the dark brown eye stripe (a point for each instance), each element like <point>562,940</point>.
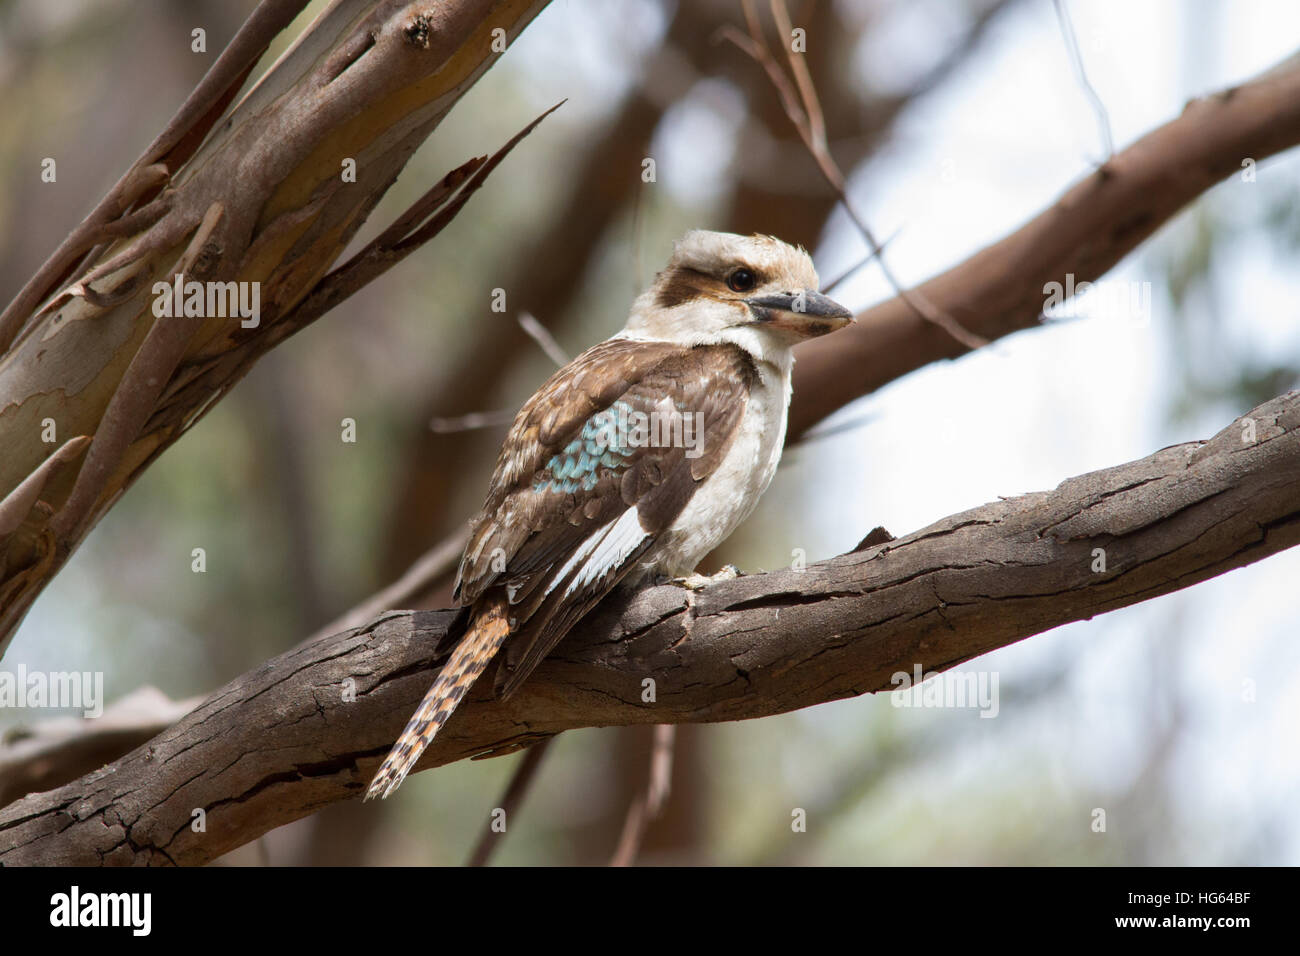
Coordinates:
<point>681,284</point>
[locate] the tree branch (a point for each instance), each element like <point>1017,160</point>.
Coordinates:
<point>1101,219</point>
<point>174,145</point>
<point>266,195</point>
<point>309,727</point>
<point>52,752</point>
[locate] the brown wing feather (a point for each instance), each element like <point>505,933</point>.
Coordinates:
<point>547,422</point>
<point>558,612</point>
<point>533,521</point>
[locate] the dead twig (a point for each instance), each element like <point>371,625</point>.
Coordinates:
<point>1080,74</point>
<point>520,781</point>
<point>427,217</point>
<point>434,564</point>
<point>543,337</point>
<point>647,807</point>
<point>801,105</point>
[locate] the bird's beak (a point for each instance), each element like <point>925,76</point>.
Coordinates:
<point>805,313</point>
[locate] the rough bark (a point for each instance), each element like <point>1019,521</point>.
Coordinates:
<point>51,752</point>
<point>286,739</point>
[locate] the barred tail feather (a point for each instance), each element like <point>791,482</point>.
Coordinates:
<point>479,645</point>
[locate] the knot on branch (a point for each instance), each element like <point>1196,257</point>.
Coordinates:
<point>418,31</point>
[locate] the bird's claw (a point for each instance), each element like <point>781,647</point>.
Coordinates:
<point>697,582</point>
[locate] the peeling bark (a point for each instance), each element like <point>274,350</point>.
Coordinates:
<point>255,195</point>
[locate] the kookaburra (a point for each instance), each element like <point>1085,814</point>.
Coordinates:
<point>632,462</point>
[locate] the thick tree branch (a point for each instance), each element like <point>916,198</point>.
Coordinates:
<point>174,145</point>
<point>51,752</point>
<point>309,727</point>
<point>262,198</point>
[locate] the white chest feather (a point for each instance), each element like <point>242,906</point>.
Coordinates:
<point>726,497</point>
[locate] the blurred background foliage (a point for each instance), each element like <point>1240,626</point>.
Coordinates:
<point>958,119</point>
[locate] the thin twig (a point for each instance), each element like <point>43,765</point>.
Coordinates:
<point>866,260</point>
<point>650,803</point>
<point>420,576</point>
<point>435,209</point>
<point>1076,59</point>
<point>520,781</point>
<point>542,336</point>
<point>661,769</point>
<point>472,421</point>
<point>800,103</point>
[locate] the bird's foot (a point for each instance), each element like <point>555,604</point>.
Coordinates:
<point>697,582</point>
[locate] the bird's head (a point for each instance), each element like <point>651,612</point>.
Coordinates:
<point>755,291</point>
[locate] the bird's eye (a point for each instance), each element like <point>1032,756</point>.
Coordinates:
<point>740,280</point>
